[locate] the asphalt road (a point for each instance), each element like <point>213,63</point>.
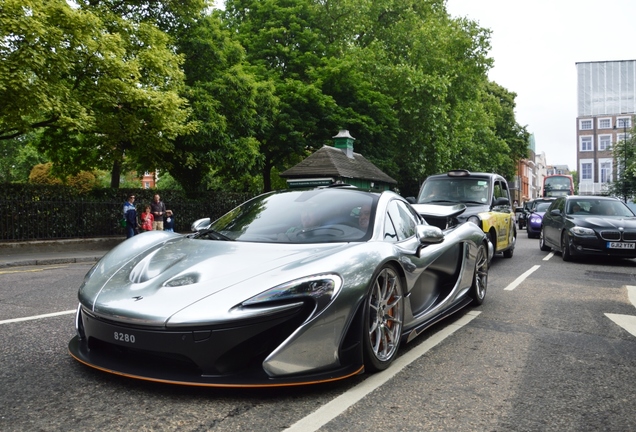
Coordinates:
<point>539,355</point>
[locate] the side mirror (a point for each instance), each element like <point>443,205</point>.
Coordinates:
<point>200,224</point>
<point>555,212</point>
<point>502,201</point>
<point>411,200</point>
<point>428,234</point>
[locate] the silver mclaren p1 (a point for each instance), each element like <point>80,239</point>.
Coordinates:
<point>292,287</point>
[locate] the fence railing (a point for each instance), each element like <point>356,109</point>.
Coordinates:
<point>22,220</point>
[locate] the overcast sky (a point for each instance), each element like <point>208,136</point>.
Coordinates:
<point>535,46</point>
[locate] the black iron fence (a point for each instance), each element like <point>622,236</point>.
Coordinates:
<point>32,219</point>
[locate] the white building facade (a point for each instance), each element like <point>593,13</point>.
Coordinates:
<point>606,98</point>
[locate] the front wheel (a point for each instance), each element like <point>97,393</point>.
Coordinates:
<point>480,277</point>
<point>565,247</point>
<point>383,319</point>
<point>542,244</point>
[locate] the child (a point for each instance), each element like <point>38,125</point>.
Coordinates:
<point>168,224</point>
<point>146,220</point>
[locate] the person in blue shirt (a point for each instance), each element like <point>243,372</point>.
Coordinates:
<point>168,221</point>
<point>130,214</point>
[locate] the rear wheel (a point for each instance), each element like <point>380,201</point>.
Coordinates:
<point>542,244</point>
<point>480,278</point>
<point>383,320</point>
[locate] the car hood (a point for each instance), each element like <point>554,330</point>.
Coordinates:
<point>147,281</point>
<point>605,222</point>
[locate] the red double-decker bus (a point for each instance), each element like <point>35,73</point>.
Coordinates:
<point>558,185</point>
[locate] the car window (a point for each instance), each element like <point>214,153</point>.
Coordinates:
<point>448,189</point>
<point>404,221</point>
<point>541,207</point>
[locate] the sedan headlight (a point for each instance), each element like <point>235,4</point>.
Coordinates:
<point>582,231</point>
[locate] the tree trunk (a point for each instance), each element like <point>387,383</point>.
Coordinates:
<point>115,174</point>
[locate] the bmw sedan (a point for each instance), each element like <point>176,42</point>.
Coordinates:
<point>291,287</point>
<point>589,225</point>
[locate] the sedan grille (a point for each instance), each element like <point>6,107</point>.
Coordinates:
<point>611,235</point>
<point>616,235</point>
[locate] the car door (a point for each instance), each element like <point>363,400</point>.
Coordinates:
<point>553,223</point>
<point>503,215</point>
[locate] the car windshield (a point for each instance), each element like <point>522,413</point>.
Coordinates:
<point>299,216</point>
<point>599,207</point>
<point>463,190</point>
<point>542,206</point>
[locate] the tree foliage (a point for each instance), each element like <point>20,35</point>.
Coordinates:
<point>227,99</point>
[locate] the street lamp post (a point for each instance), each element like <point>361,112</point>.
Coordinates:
<point>625,159</point>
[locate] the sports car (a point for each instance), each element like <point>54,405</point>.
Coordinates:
<point>291,287</point>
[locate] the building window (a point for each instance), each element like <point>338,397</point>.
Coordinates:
<point>605,171</point>
<point>586,171</point>
<point>623,122</point>
<point>622,137</point>
<point>146,185</point>
<point>605,123</point>
<point>604,142</point>
<point>586,143</point>
<point>585,124</point>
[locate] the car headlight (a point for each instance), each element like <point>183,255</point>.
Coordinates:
<point>582,231</point>
<point>322,289</point>
<point>474,219</point>
<point>535,219</point>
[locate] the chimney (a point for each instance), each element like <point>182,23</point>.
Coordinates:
<point>344,142</point>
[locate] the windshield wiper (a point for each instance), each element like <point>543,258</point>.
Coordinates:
<point>213,235</point>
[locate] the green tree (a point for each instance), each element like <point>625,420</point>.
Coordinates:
<point>625,158</point>
<point>229,103</point>
<point>106,88</point>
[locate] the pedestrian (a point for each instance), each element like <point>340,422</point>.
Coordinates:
<point>130,214</point>
<point>168,222</point>
<point>147,220</point>
<point>158,211</point>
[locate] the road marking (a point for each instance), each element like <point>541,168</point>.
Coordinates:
<point>337,406</point>
<point>628,322</point>
<point>14,320</point>
<point>32,270</point>
<point>548,256</point>
<point>521,278</point>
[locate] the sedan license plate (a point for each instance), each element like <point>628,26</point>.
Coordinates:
<point>618,245</point>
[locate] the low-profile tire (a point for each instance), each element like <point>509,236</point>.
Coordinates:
<point>480,277</point>
<point>542,245</point>
<point>383,319</point>
<point>565,247</point>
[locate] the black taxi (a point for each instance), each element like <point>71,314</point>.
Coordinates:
<point>487,200</point>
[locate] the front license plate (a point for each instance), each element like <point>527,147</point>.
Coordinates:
<point>617,245</point>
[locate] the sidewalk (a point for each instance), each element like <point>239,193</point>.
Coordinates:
<point>55,251</point>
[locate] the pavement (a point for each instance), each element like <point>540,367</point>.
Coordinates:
<point>55,251</point>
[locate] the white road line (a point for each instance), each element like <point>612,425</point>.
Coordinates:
<point>337,406</point>
<point>548,256</point>
<point>521,278</point>
<point>628,322</point>
<point>14,320</point>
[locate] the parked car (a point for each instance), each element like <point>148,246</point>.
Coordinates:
<point>291,287</point>
<point>523,211</point>
<point>487,200</point>
<point>535,217</point>
<point>589,225</point>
